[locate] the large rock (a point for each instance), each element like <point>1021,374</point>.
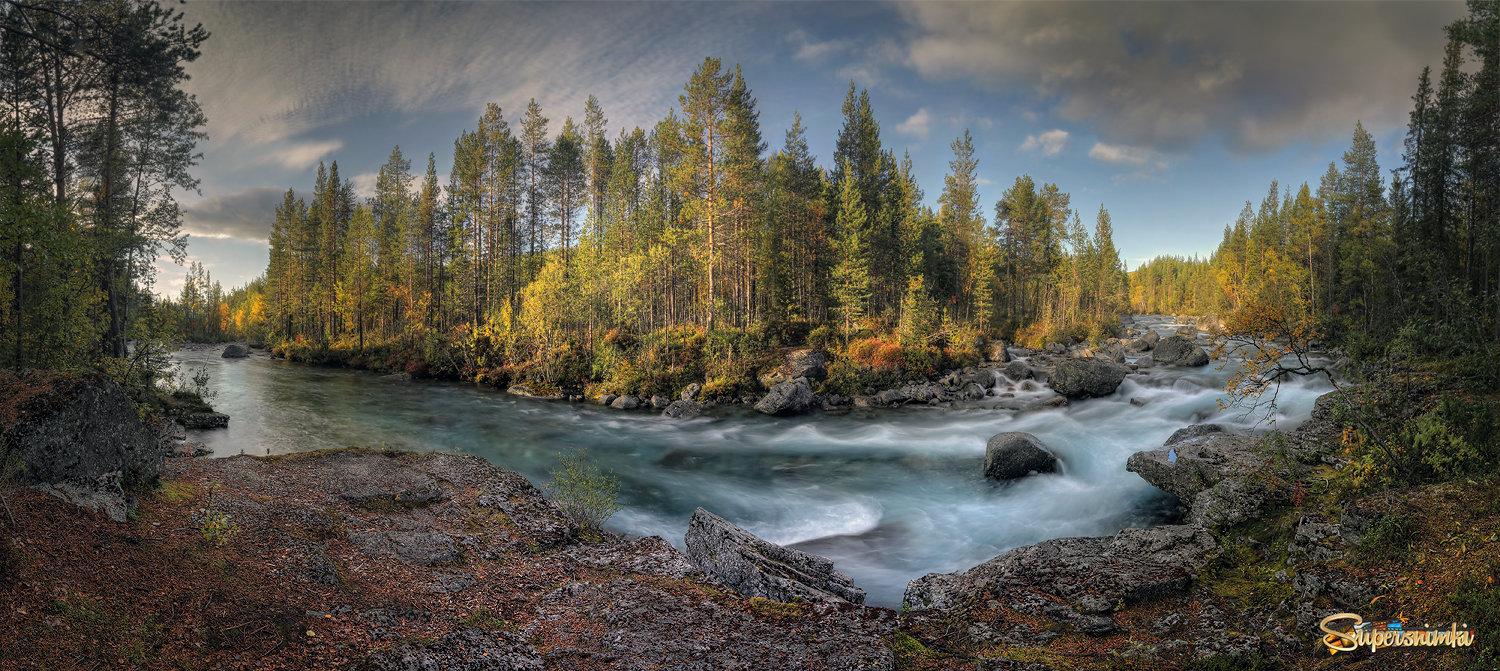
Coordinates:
<point>1014,454</point>
<point>1210,475</point>
<point>755,567</point>
<point>1150,338</point>
<point>204,420</point>
<point>79,437</point>
<point>684,409</point>
<point>1135,565</point>
<point>1083,378</point>
<point>416,547</point>
<point>806,362</point>
<point>235,351</point>
<point>1179,351</point>
<point>625,403</point>
<point>787,398</point>
<point>1018,370</point>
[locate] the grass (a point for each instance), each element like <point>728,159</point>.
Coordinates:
<point>176,492</point>
<point>484,619</point>
<point>1388,540</point>
<point>775,609</point>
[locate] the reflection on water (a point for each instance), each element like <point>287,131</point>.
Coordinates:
<point>889,495</point>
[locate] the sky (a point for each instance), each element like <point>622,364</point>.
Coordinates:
<point>1169,114</point>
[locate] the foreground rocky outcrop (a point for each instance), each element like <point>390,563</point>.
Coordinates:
<point>1091,576</point>
<point>787,398</point>
<point>79,437</point>
<point>384,560</point>
<point>755,567</point>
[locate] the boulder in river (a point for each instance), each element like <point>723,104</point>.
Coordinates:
<point>1179,351</point>
<point>1017,371</point>
<point>660,402</point>
<point>755,567</point>
<point>1014,454</point>
<point>625,403</point>
<point>1083,378</point>
<point>1150,338</point>
<point>235,351</point>
<point>1212,474</point>
<point>787,398</point>
<point>683,409</point>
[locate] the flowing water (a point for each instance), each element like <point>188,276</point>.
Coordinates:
<point>888,494</point>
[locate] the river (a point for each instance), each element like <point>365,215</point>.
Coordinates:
<point>888,494</point>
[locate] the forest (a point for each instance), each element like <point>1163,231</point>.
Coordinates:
<point>572,256</point>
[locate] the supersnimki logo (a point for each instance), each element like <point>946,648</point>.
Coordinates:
<point>1347,632</point>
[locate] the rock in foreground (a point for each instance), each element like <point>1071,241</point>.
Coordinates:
<point>755,567</point>
<point>1014,454</point>
<point>1083,378</point>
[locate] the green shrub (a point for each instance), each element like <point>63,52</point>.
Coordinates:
<point>583,493</point>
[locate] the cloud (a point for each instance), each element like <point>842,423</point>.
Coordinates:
<point>274,71</point>
<point>809,49</point>
<point>1049,143</point>
<point>1139,162</point>
<point>919,124</point>
<point>303,155</point>
<point>247,214</point>
<point>364,184</point>
<point>1168,75</point>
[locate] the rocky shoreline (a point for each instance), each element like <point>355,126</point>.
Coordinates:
<point>393,560</point>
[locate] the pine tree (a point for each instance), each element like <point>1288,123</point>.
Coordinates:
<point>851,270</point>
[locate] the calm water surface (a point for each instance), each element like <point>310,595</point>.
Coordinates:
<point>889,495</point>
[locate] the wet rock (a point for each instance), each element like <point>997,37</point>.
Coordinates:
<point>787,398</point>
<point>684,409</point>
<point>464,649</point>
<point>891,397</point>
<point>625,403</point>
<point>971,392</point>
<point>607,399</point>
<point>204,420</point>
<point>755,567</point>
<point>690,392</point>
<point>1194,431</point>
<point>235,351</point>
<point>1084,378</point>
<point>1138,402</point>
<point>1208,473</point>
<point>1056,348</point>
<point>1180,351</point>
<point>426,549</point>
<point>1147,361</point>
<point>1014,454</point>
<point>1018,370</point>
<point>660,402</point>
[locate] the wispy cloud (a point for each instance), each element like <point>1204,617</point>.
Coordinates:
<point>1167,75</point>
<point>919,124</point>
<point>1049,143</point>
<point>810,49</point>
<point>302,155</point>
<point>1138,162</point>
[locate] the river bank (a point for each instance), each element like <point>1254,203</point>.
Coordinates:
<point>383,559</point>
